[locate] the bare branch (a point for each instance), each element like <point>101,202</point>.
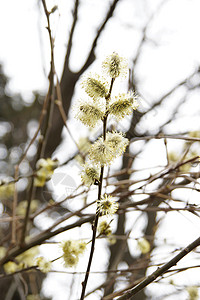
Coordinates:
<point>69,45</point>
<point>91,56</point>
<point>160,271</point>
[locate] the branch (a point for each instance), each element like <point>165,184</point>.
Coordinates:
<point>46,128</point>
<point>170,92</point>
<point>39,239</point>
<point>145,29</point>
<point>84,283</point>
<point>69,45</point>
<point>160,271</point>
<point>162,136</point>
<point>91,56</point>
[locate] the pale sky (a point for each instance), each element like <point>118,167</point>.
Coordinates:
<point>24,52</point>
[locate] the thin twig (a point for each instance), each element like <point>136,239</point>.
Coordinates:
<point>45,130</point>
<point>15,198</point>
<point>31,192</point>
<point>59,103</point>
<point>40,238</point>
<point>164,136</point>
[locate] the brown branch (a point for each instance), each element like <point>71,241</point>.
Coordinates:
<point>170,92</point>
<point>160,271</point>
<point>14,206</point>
<point>91,56</point>
<point>145,29</point>
<point>39,239</point>
<point>162,136</point>
<point>59,103</point>
<point>64,218</point>
<point>69,45</point>
<point>45,129</point>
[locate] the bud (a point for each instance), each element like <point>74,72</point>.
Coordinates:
<point>90,174</point>
<point>123,105</point>
<point>115,66</point>
<point>88,113</point>
<point>107,205</point>
<point>95,86</point>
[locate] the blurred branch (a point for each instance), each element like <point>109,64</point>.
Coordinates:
<point>91,56</point>
<point>172,90</point>
<point>49,116</point>
<point>39,239</point>
<point>163,136</point>
<point>69,45</point>
<point>144,33</point>
<point>59,103</point>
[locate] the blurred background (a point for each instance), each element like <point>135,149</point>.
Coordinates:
<point>161,41</point>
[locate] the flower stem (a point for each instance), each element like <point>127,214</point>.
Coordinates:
<point>94,227</point>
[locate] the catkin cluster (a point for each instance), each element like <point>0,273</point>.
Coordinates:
<point>72,251</point>
<point>45,169</point>
<point>100,105</point>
